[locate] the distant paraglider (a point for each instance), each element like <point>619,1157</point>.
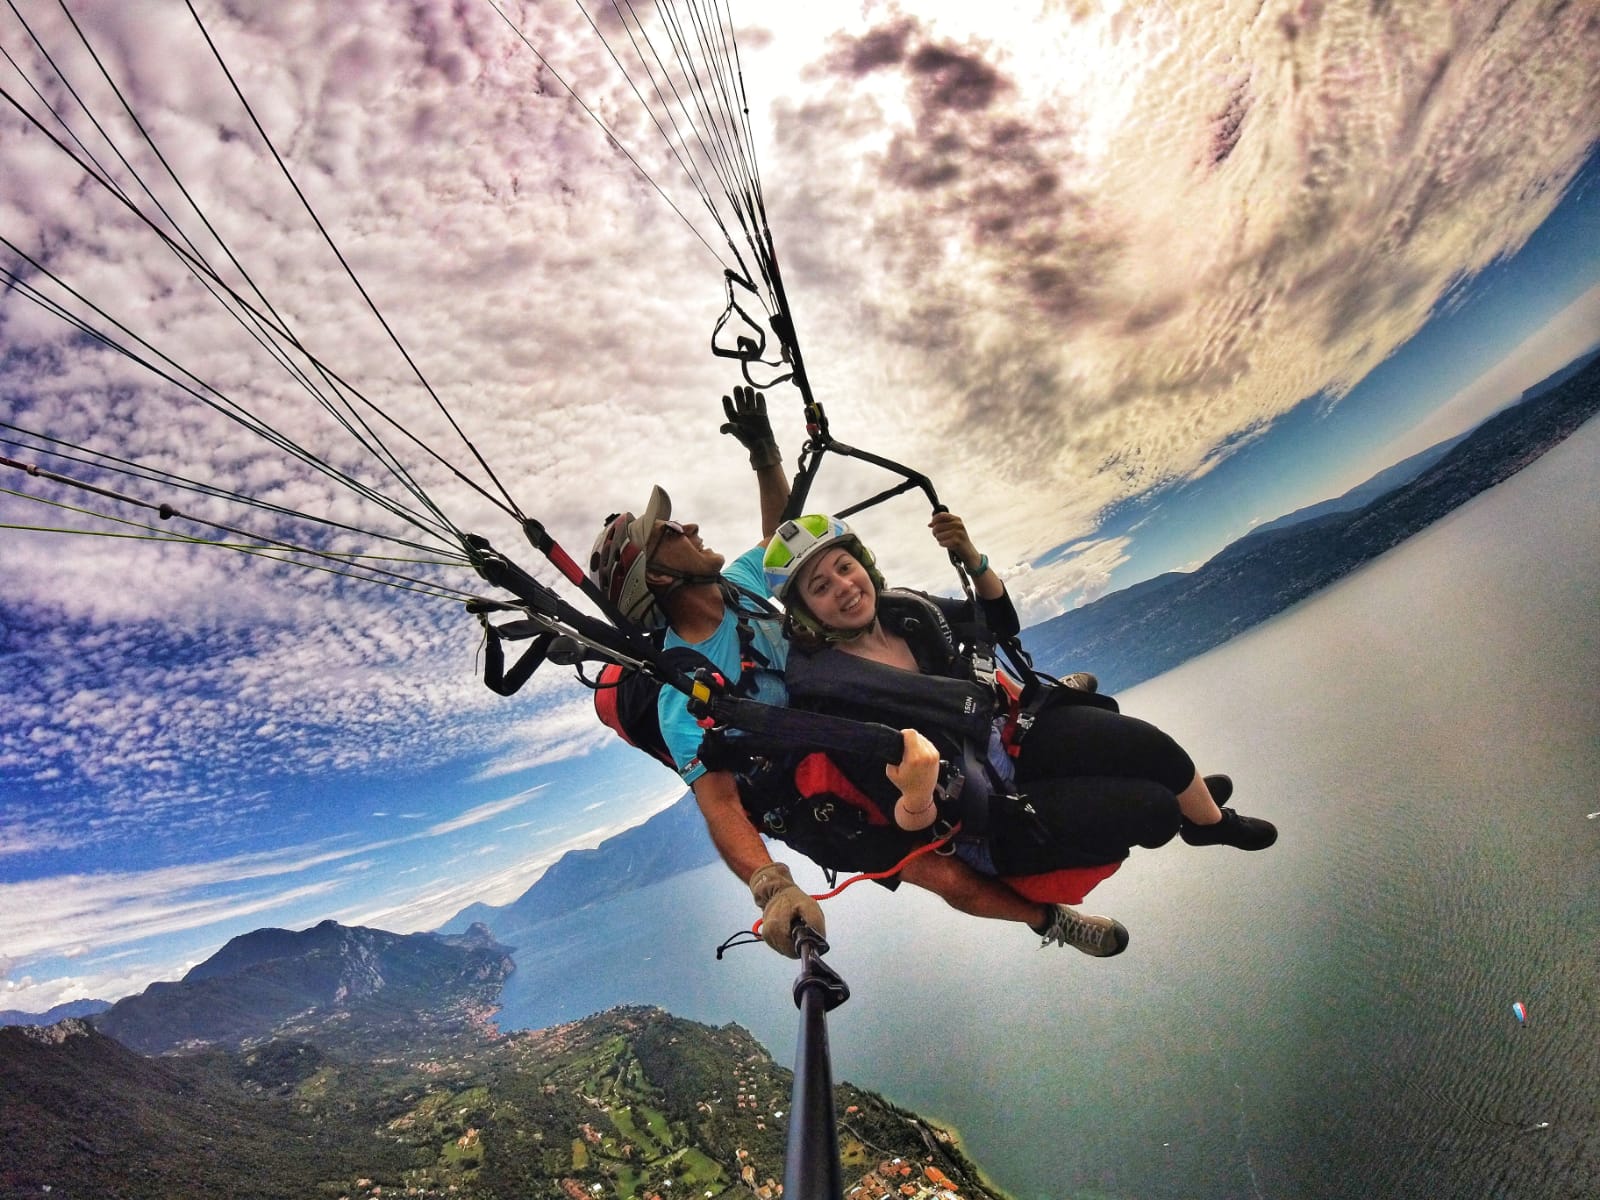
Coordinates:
<point>1519,1010</point>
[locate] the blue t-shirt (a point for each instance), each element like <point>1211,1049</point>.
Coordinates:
<point>680,731</point>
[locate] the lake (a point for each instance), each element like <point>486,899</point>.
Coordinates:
<point>1329,1018</point>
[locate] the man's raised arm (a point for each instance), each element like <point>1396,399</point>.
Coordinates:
<point>746,411</point>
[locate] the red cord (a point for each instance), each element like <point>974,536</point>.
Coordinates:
<point>894,870</point>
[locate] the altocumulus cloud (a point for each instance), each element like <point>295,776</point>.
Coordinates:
<point>1092,246</point>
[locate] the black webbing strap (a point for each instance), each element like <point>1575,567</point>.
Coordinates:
<point>621,637</point>
<point>765,729</point>
<point>501,681</point>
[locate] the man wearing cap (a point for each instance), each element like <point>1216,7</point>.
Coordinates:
<point>659,572</point>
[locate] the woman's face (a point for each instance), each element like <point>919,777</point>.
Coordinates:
<point>836,590</point>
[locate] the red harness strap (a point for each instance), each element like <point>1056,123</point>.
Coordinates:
<point>894,870</point>
<point>817,775</point>
<point>1069,885</point>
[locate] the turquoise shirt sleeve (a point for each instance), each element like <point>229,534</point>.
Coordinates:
<point>680,730</point>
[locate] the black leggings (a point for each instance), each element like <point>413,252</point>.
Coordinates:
<point>1098,783</point>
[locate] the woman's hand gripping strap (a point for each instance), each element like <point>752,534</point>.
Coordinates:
<point>917,776</point>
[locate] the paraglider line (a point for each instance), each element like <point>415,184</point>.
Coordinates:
<point>367,438</point>
<point>322,229</point>
<point>690,167</point>
<point>167,512</point>
<point>615,141</point>
<point>109,462</point>
<point>223,405</point>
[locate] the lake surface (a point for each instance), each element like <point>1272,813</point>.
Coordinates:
<point>1329,1018</point>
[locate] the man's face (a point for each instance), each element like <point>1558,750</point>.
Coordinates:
<point>678,547</point>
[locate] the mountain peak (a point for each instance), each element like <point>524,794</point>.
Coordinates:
<point>274,981</point>
<point>55,1035</point>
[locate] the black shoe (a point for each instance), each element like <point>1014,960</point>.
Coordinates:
<point>1245,833</point>
<point>1082,681</point>
<point>1220,787</point>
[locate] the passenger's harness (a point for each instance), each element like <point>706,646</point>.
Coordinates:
<point>956,700</point>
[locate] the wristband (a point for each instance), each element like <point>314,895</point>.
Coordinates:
<point>982,568</point>
<point>913,819</point>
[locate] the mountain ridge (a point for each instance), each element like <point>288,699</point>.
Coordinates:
<point>1403,472</point>
<point>670,842</point>
<point>1135,634</point>
<point>61,1012</point>
<point>296,983</point>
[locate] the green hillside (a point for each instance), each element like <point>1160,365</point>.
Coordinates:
<point>630,1103</point>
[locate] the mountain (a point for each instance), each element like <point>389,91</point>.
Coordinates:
<point>1407,469</point>
<point>632,1102</point>
<point>1362,494</point>
<point>86,1116</point>
<point>1556,378</point>
<point>1136,634</point>
<point>274,982</point>
<point>672,841</point>
<point>73,1008</point>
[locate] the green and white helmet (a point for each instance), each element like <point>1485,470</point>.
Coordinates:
<point>797,542</point>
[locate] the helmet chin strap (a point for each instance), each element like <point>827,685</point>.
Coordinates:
<point>683,578</point>
<point>849,635</point>
<point>803,617</point>
<point>680,579</point>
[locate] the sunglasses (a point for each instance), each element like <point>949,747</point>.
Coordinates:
<point>660,535</point>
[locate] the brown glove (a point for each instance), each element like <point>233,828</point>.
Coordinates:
<point>782,900</point>
<point>746,411</point>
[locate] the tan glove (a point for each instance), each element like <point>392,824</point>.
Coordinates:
<point>782,900</point>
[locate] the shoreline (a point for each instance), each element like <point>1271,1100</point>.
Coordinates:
<point>950,1138</point>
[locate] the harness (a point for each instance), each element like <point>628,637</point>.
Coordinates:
<point>956,701</point>
<point>950,701</point>
<point>626,695</point>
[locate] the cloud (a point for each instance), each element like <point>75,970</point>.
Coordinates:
<point>49,917</point>
<point>68,915</point>
<point>1153,229</point>
<point>479,814</point>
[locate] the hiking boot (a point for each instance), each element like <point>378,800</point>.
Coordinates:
<point>1081,681</point>
<point>1100,937</point>
<point>1220,787</point>
<point>1245,833</point>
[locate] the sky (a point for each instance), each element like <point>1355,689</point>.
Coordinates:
<point>1123,279</point>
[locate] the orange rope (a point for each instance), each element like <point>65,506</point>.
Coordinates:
<point>894,870</point>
